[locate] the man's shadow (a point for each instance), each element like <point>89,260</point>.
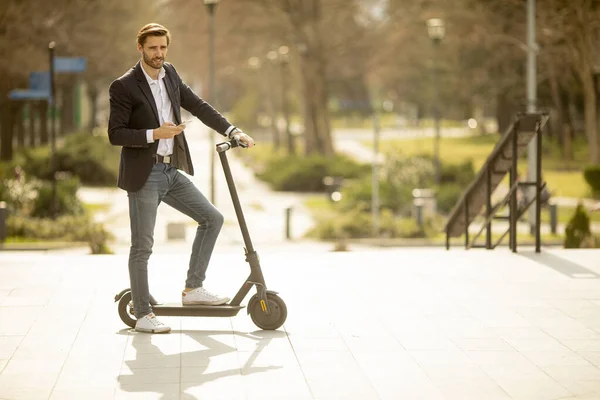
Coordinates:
<point>212,348</point>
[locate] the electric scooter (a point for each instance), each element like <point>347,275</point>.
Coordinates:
<point>267,310</point>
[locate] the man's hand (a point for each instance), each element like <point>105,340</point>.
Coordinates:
<point>247,140</point>
<point>167,131</point>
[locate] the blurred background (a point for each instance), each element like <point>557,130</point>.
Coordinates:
<point>355,104</point>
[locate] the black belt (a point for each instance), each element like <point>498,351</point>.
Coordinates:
<point>163,159</point>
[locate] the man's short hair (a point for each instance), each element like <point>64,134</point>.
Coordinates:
<point>152,29</point>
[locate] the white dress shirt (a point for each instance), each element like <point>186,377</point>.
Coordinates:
<point>165,111</point>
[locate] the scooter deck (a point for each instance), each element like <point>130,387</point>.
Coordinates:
<point>179,310</point>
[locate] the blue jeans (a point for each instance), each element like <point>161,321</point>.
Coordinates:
<point>167,184</point>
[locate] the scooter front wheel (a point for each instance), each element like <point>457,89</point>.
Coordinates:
<point>260,318</point>
<point>126,310</point>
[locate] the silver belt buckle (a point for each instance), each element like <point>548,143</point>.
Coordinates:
<point>167,159</point>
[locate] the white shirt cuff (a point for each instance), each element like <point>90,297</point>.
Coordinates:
<point>150,135</point>
<point>228,131</point>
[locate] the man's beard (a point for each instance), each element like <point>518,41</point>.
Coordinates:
<point>155,63</point>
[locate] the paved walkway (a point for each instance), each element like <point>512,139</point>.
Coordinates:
<point>388,324</point>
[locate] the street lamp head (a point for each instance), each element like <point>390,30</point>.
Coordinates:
<point>272,55</point>
<point>254,62</point>
<point>436,29</point>
<point>284,52</point>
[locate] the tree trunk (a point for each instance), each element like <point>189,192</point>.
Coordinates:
<point>19,128</point>
<point>67,115</point>
<point>590,116</point>
<point>31,111</point>
<point>317,130</point>
<point>6,141</point>
<point>503,112</point>
<point>562,120</point>
<point>43,107</point>
<point>92,91</point>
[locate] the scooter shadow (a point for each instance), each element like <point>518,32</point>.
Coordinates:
<point>149,356</point>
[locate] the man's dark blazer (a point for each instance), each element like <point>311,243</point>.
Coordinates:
<point>133,112</point>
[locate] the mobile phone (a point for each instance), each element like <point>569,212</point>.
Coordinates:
<point>186,122</point>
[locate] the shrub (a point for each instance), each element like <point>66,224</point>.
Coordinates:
<point>578,229</point>
<point>91,158</point>
<point>64,228</point>
<point>592,177</point>
<point>67,202</point>
<point>358,224</point>
<point>447,196</point>
<point>305,174</point>
<point>461,174</point>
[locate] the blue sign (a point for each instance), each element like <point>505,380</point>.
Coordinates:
<point>70,64</point>
<point>39,81</point>
<point>25,94</point>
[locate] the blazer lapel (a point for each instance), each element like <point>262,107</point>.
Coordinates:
<point>143,84</point>
<point>175,103</point>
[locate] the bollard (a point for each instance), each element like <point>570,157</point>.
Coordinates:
<point>419,214</point>
<point>3,216</point>
<point>553,218</point>
<point>288,217</point>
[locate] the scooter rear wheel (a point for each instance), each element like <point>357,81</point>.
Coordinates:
<point>268,322</point>
<point>126,310</point>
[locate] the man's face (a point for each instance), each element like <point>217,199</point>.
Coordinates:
<point>154,51</point>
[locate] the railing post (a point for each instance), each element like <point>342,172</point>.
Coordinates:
<point>488,233</point>
<point>3,217</point>
<point>466,222</point>
<point>514,212</point>
<point>538,187</point>
<point>288,217</point>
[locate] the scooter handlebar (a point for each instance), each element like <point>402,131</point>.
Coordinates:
<point>234,142</point>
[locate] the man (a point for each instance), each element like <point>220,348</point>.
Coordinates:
<point>145,120</point>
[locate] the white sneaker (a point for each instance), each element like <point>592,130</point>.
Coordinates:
<point>151,324</point>
<point>201,296</point>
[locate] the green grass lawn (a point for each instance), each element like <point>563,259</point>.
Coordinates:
<point>563,179</point>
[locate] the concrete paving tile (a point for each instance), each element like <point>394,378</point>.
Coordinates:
<point>209,361</point>
<point>520,333</point>
<point>147,391</point>
<point>388,364</point>
<point>503,363</point>
<point>29,379</point>
<point>301,344</point>
<point>542,344</point>
<point>533,388</point>
<point>95,393</point>
<point>476,388</point>
<point>8,345</point>
<point>440,357</point>
<point>214,386</point>
<point>582,344</point>
<point>86,377</point>
<point>427,340</point>
<point>45,347</point>
<point>17,320</point>
<point>555,358</point>
<point>566,332</point>
<point>482,344</point>
<point>149,375</point>
<point>406,388</point>
<point>152,360</point>
<point>592,356</point>
<point>3,364</point>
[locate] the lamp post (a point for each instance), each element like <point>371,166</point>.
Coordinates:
<point>211,6</point>
<point>54,209</point>
<point>436,30</point>
<point>531,105</point>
